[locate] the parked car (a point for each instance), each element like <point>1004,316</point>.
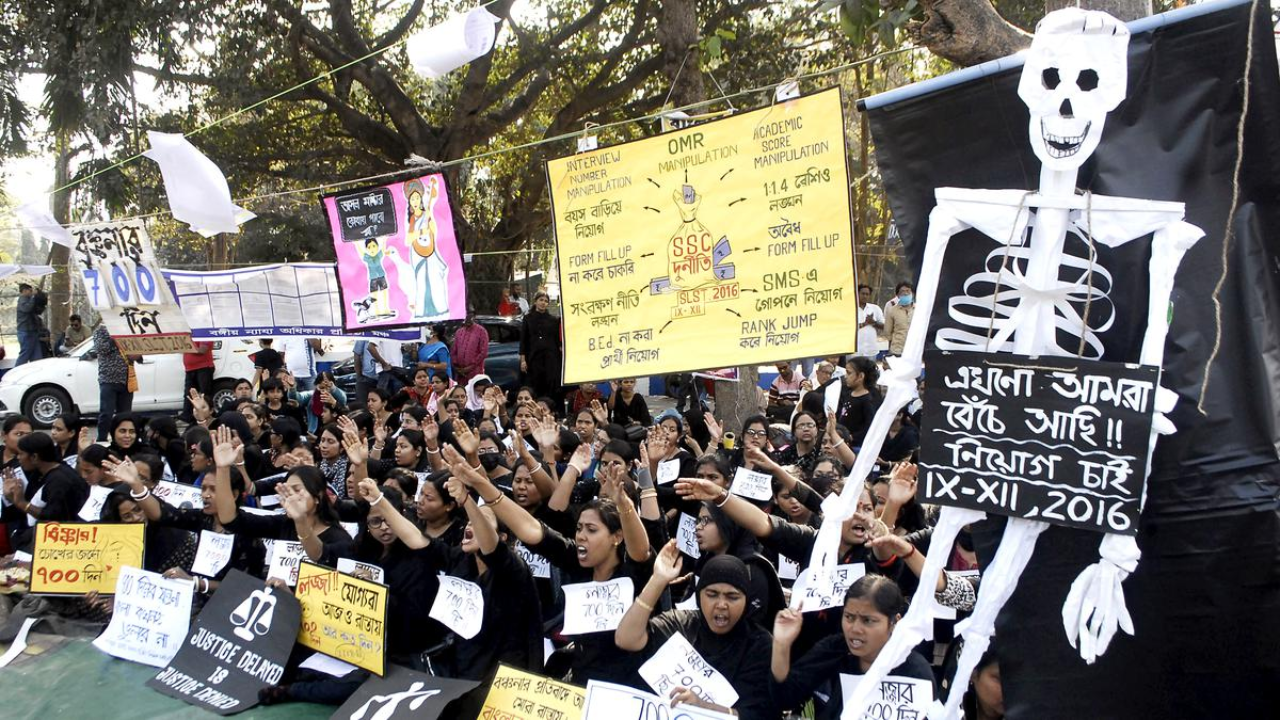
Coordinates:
<point>45,389</point>
<point>502,366</point>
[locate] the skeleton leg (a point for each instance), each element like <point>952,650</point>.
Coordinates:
<point>998,583</point>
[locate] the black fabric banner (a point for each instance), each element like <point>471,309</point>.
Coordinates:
<point>238,644</point>
<point>1206,598</point>
<point>403,693</point>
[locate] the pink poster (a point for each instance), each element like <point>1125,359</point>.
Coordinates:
<point>398,260</point>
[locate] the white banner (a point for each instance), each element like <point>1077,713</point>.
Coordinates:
<point>150,617</point>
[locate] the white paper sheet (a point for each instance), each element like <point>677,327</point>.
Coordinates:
<point>687,536</point>
<point>453,43</point>
<point>459,605</point>
<point>596,606</point>
<point>37,218</point>
<point>197,189</point>
<point>329,666</point>
<point>150,617</point>
<point>91,511</point>
<point>752,484</point>
<point>677,664</point>
<point>668,471</point>
<point>608,701</point>
<point>213,553</point>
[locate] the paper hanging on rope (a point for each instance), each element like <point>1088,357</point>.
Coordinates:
<point>745,256</point>
<point>125,285</point>
<point>398,260</point>
<point>299,299</point>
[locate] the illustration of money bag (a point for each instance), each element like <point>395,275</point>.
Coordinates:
<point>690,254</point>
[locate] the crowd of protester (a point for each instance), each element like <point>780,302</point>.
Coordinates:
<point>451,474</point>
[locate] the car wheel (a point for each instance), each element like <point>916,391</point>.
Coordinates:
<point>223,391</point>
<point>44,404</point>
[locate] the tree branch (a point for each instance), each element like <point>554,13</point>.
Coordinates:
<point>967,32</point>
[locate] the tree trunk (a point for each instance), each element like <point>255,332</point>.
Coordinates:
<point>678,34</point>
<point>59,254</point>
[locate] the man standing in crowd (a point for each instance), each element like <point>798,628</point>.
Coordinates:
<point>520,302</point>
<point>300,358</point>
<point>31,304</point>
<point>870,322</point>
<point>784,393</point>
<point>366,369</point>
<point>199,367</point>
<point>470,348</point>
<point>390,358</point>
<point>76,333</point>
<point>541,350</point>
<point>114,394</point>
<point>897,320</point>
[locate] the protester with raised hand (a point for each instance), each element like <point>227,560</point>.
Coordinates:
<point>872,607</point>
<point>717,629</point>
<point>610,543</point>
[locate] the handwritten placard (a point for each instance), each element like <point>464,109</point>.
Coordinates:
<point>818,590</point>
<point>668,471</point>
<point>459,605</point>
<point>752,484</point>
<point>678,665</point>
<point>124,284</point>
<point>687,536</point>
<point>596,606</point>
<point>237,646</point>
<point>747,256</point>
<point>609,701</point>
<point>179,495</point>
<point>283,558</point>
<point>213,553</point>
<point>362,570</point>
<point>149,618</point>
<point>91,511</point>
<point>343,616</point>
<point>73,558</point>
<point>1061,440</point>
<point>788,569</point>
<point>899,697</point>
<point>539,566</point>
<point>519,695</point>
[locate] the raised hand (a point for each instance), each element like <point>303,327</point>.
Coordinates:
<point>599,413</point>
<point>787,624</point>
<point>12,486</point>
<point>697,489</point>
<point>546,432</point>
<point>199,407</point>
<point>451,456</point>
<point>224,449</point>
<point>756,457</point>
<point>490,405</point>
<point>124,471</point>
<point>666,567</point>
<point>357,450</point>
<point>581,459</point>
<point>430,430</point>
<point>713,427</point>
<point>894,544</point>
<point>902,483</point>
<point>457,490</point>
<point>380,432</point>
<point>85,439</point>
<point>833,434</point>
<point>369,490</point>
<point>468,475</point>
<point>295,503</point>
<point>346,425</point>
<point>467,439</point>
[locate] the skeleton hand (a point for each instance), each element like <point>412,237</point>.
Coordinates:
<point>1095,607</point>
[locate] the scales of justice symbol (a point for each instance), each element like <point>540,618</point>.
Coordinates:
<point>1033,298</point>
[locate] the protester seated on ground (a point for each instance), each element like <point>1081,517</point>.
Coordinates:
<point>755,434</point>
<point>873,605</point>
<point>126,436</point>
<point>626,406</point>
<point>67,431</point>
<point>984,697</point>
<point>273,398</point>
<point>902,442</point>
<point>895,498</point>
<point>784,393</point>
<point>582,397</point>
<point>241,391</point>
<point>439,516</point>
<point>718,630</point>
<point>805,446</point>
<point>167,547</point>
<point>90,466</point>
<point>716,535</point>
<point>64,492</point>
<point>835,442</point>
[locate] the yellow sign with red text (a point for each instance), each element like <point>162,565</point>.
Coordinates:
<point>76,558</point>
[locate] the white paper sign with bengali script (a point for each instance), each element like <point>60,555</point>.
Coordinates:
<point>459,606</point>
<point>213,553</point>
<point>179,495</point>
<point>539,566</point>
<point>91,511</point>
<point>668,471</point>
<point>752,484</point>
<point>687,536</point>
<point>283,558</point>
<point>819,592</point>
<point>150,617</point>
<point>362,570</point>
<point>607,701</point>
<point>899,697</point>
<point>678,665</point>
<point>596,606</point>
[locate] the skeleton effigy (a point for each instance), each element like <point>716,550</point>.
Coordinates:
<point>1041,293</point>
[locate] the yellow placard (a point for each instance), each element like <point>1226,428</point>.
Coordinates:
<point>723,244</point>
<point>519,695</point>
<point>343,616</point>
<point>76,558</point>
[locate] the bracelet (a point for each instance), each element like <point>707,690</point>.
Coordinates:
<point>146,492</point>
<point>836,445</point>
<point>724,498</point>
<point>892,559</point>
<point>380,498</point>
<point>913,552</point>
<point>303,539</point>
<point>433,452</point>
<point>240,464</point>
<point>640,601</point>
<point>646,494</point>
<point>494,502</point>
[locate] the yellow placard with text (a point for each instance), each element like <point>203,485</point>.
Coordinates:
<point>727,243</point>
<point>76,558</point>
<point>343,616</point>
<point>519,695</point>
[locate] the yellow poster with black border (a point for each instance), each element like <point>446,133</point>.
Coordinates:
<point>727,243</point>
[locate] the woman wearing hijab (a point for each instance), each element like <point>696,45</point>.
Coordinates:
<point>718,629</point>
<point>718,535</point>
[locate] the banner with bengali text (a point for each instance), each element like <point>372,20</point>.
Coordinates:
<point>722,244</point>
<point>76,558</point>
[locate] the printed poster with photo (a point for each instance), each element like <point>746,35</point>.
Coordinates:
<point>398,258</point>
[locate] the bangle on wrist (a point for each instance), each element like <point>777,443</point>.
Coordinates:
<point>142,496</point>
<point>724,498</point>
<point>435,451</point>
<point>641,602</point>
<point>495,501</point>
<point>836,445</point>
<point>380,498</point>
<point>913,552</point>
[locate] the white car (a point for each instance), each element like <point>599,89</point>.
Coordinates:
<point>45,389</point>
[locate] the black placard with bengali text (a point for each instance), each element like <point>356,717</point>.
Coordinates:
<point>238,645</point>
<point>366,214</point>
<point>1061,440</point>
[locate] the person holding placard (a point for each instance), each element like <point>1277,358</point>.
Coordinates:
<point>718,630</point>
<point>245,556</point>
<point>511,628</point>
<point>167,547</point>
<point>65,492</point>
<point>611,542</point>
<point>872,606</point>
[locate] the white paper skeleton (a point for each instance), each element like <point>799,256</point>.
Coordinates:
<point>1075,74</point>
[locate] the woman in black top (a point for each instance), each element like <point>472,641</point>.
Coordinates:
<point>166,547</point>
<point>540,351</point>
<point>611,542</point>
<point>164,436</point>
<point>439,515</point>
<point>65,432</point>
<point>511,631</point>
<point>718,630</point>
<point>859,398</point>
<point>805,444</point>
<point>125,436</point>
<point>872,607</point>
<point>626,406</point>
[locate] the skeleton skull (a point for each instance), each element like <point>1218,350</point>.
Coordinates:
<point>1076,72</point>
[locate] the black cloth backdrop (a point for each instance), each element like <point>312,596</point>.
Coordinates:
<point>1206,597</point>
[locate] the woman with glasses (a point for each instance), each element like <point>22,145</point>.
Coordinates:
<point>805,446</point>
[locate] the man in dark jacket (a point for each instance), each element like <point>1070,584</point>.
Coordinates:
<point>31,305</point>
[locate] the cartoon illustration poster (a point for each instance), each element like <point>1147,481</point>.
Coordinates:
<point>722,244</point>
<point>398,259</point>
